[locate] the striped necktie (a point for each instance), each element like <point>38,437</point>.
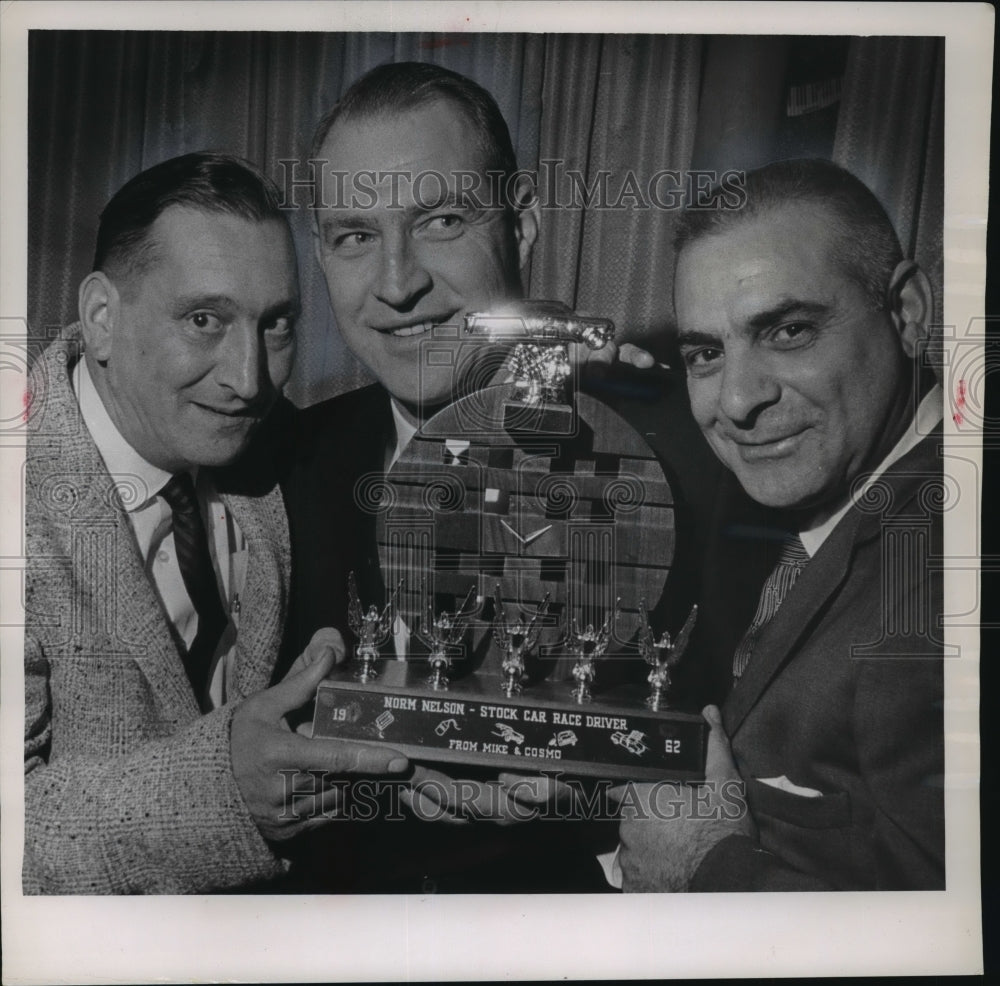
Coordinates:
<point>191,544</point>
<point>791,561</point>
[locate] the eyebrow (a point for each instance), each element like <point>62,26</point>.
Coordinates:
<point>786,310</point>
<point>346,220</point>
<point>451,200</point>
<point>793,308</point>
<point>694,338</point>
<point>289,307</point>
<point>189,302</point>
<point>334,219</point>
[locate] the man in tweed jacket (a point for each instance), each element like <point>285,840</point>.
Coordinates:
<point>142,776</point>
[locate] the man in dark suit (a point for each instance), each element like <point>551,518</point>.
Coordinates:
<point>399,260</point>
<point>446,231</point>
<point>801,326</point>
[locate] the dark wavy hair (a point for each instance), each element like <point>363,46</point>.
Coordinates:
<point>204,180</point>
<point>401,86</point>
<point>866,243</point>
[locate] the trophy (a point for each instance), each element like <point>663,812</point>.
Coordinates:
<point>371,628</point>
<point>588,648</point>
<point>442,632</point>
<point>540,367</point>
<point>557,511</point>
<point>662,654</point>
<point>516,639</point>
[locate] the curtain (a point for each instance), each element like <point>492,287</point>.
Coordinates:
<point>615,257</point>
<point>890,133</point>
<point>598,115</point>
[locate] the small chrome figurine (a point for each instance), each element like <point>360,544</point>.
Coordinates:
<point>371,628</point>
<point>442,632</point>
<point>588,647</point>
<point>516,639</point>
<point>540,372</point>
<point>662,654</point>
<point>540,364</point>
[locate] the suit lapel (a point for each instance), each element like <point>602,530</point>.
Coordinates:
<point>826,572</point>
<point>265,589</point>
<point>98,537</point>
<point>820,578</point>
<point>140,620</point>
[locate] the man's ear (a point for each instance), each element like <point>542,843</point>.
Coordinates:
<point>99,307</point>
<point>527,220</point>
<point>911,306</point>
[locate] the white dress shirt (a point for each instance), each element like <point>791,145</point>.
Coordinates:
<point>405,430</point>
<point>928,416</point>
<point>138,483</point>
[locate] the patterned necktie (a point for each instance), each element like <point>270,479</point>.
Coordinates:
<point>191,543</point>
<point>791,561</point>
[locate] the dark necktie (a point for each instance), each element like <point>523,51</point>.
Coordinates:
<point>791,561</point>
<point>191,544</point>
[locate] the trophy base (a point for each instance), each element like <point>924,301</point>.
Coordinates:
<point>615,736</point>
<point>543,418</point>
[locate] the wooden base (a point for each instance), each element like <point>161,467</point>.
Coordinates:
<point>615,736</point>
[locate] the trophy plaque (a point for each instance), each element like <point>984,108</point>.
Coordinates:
<point>526,526</point>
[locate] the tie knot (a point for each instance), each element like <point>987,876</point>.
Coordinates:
<point>793,552</point>
<point>179,493</point>
<point>791,561</point>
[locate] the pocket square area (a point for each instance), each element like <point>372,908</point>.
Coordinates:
<point>782,783</point>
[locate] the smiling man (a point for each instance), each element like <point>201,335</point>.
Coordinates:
<point>156,758</point>
<point>423,253</point>
<point>405,244</point>
<point>802,325</point>
<point>422,217</point>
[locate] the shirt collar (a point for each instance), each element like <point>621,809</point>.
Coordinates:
<point>405,430</point>
<point>136,480</point>
<point>929,415</point>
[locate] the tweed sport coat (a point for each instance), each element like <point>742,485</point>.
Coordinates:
<point>128,786</point>
<point>843,696</point>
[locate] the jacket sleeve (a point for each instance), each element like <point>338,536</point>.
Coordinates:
<point>167,817</point>
<point>739,863</point>
<point>899,726</point>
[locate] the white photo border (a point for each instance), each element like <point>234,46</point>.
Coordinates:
<point>261,938</point>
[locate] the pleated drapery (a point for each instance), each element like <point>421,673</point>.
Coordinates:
<point>899,152</point>
<point>615,257</point>
<point>598,115</point>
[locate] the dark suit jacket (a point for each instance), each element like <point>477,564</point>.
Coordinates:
<point>335,444</point>
<point>341,440</point>
<point>844,695</point>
